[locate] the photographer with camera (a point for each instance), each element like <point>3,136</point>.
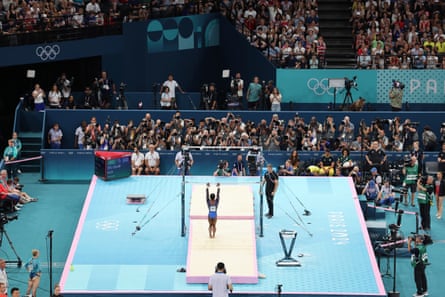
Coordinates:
<point>425,188</point>
<point>409,134</point>
<point>255,161</point>
<point>429,139</point>
<point>209,96</point>
<point>396,95</point>
<point>419,260</point>
<point>184,161</point>
<point>346,130</point>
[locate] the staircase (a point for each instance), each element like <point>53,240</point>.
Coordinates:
<point>336,29</point>
<point>31,144</point>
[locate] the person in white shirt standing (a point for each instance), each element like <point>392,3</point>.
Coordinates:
<point>220,283</point>
<point>172,85</point>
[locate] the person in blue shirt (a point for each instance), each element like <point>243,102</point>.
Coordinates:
<point>33,267</point>
<point>239,167</point>
<point>212,204</point>
<point>10,154</point>
<point>254,92</point>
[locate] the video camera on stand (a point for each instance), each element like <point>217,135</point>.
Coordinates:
<point>351,83</point>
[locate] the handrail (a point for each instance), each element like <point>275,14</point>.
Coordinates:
<point>19,107</point>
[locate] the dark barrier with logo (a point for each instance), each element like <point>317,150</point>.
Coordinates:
<point>78,165</point>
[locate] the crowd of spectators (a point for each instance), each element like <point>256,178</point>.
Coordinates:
<point>286,32</point>
<point>399,34</point>
<point>12,196</point>
<point>19,16</point>
<point>273,134</point>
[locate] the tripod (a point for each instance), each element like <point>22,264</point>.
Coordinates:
<point>4,233</point>
<point>348,98</point>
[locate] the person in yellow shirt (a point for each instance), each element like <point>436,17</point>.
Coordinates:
<point>440,45</point>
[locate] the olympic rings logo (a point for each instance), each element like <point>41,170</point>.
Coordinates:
<point>319,87</point>
<point>47,52</point>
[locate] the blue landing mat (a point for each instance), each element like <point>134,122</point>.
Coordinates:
<point>110,256</point>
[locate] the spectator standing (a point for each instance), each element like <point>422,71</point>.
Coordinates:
<point>440,194</point>
<point>166,100</point>
<point>79,136</point>
<point>55,97</point>
<point>220,283</point>
<point>106,88</point>
<point>89,99</point>
<point>39,98</point>
<point>64,84</point>
<point>275,100</point>
<point>237,87</point>
<point>254,94</point>
<point>172,85</point>
<point>10,154</point>
<point>55,135</point>
<point>17,143</point>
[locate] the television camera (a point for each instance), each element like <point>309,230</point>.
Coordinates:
<point>4,219</point>
<point>398,84</point>
<point>351,83</point>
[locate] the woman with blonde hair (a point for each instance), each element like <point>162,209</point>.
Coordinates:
<point>33,267</point>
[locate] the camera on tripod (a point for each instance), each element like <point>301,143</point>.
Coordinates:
<point>4,219</point>
<point>351,83</point>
